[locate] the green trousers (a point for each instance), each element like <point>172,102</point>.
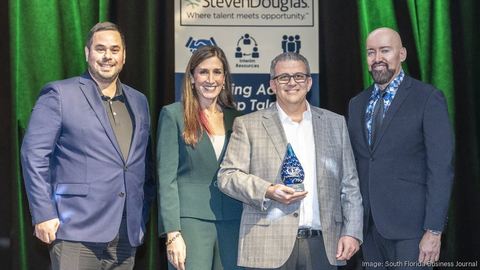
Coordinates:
<point>210,244</point>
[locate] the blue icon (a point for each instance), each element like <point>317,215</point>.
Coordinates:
<point>291,43</point>
<point>244,45</point>
<point>193,44</point>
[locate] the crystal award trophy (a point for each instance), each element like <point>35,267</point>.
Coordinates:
<point>292,171</point>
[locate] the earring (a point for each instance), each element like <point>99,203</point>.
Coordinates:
<point>223,87</point>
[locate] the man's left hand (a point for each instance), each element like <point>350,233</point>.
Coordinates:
<point>347,247</point>
<point>430,248</point>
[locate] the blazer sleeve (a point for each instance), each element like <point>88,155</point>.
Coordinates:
<point>167,165</point>
<point>351,197</point>
<point>439,147</point>
<point>38,145</point>
<point>234,177</point>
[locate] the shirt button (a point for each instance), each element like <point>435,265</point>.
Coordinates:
<point>121,194</point>
<point>372,159</point>
<point>295,214</point>
<point>126,169</point>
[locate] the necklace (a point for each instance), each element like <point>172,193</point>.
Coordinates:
<point>215,111</point>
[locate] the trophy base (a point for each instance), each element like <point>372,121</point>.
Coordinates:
<point>298,187</point>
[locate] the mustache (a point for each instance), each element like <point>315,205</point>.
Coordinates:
<point>374,65</point>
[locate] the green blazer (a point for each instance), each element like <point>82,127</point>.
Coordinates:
<point>187,176</point>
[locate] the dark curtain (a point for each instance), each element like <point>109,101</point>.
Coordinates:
<point>43,41</point>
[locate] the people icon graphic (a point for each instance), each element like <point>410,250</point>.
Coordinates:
<point>255,53</point>
<point>291,43</point>
<point>247,46</point>
<point>246,40</point>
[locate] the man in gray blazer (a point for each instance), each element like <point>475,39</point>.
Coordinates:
<point>281,228</point>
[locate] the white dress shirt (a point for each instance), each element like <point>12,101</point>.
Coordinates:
<point>300,137</point>
<point>217,141</point>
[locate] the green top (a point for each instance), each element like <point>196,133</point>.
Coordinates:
<point>187,176</point>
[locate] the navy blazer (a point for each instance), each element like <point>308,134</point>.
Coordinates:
<point>73,167</point>
<point>406,178</point>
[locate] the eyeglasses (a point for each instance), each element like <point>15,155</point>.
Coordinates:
<point>285,78</point>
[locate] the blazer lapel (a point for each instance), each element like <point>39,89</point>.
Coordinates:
<point>228,118</point>
<point>87,86</point>
<point>208,145</point>
<point>397,102</point>
<point>320,134</point>
<point>136,123</point>
<point>274,128</point>
<point>363,114</point>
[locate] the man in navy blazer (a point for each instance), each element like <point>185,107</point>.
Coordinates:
<point>404,153</point>
<point>87,162</point>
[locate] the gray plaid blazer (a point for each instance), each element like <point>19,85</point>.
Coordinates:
<point>252,163</point>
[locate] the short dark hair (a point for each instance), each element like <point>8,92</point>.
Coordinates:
<point>288,56</point>
<point>104,26</point>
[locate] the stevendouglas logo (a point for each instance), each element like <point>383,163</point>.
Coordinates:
<point>192,4</point>
<point>291,13</point>
<point>282,5</point>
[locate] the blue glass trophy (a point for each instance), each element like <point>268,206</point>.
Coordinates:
<point>292,171</point>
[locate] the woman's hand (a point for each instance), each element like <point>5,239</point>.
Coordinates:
<point>176,250</point>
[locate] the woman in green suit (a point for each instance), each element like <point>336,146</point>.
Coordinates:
<point>199,222</point>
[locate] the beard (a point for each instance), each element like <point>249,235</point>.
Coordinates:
<point>382,76</point>
<point>103,76</point>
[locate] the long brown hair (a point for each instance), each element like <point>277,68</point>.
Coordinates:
<point>192,118</point>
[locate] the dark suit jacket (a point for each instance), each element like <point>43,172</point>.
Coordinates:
<point>74,169</point>
<point>188,176</point>
<point>406,179</point>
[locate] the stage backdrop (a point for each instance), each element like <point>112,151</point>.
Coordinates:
<point>43,41</point>
<point>251,33</point>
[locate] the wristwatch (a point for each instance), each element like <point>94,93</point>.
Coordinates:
<point>435,232</point>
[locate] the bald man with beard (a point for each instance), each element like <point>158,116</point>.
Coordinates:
<point>403,145</point>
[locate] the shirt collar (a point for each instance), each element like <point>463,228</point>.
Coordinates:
<point>307,115</point>
<point>392,87</point>
<point>118,91</point>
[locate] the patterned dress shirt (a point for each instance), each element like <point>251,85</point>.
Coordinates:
<point>391,90</point>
